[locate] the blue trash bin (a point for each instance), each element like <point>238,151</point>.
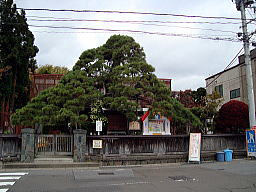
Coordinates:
<point>228,154</point>
<point>220,156</point>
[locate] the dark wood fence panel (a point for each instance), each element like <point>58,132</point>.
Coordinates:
<point>125,145</point>
<point>132,146</point>
<point>141,145</point>
<point>221,142</point>
<point>10,146</point>
<point>177,144</point>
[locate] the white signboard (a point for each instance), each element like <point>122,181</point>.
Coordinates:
<point>97,144</point>
<point>134,126</point>
<point>194,147</point>
<point>98,125</point>
<point>156,126</point>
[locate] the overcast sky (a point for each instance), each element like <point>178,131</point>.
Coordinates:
<point>187,61</point>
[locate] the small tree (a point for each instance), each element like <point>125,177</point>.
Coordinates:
<point>207,110</point>
<point>50,69</point>
<point>191,98</point>
<point>233,117</point>
<point>199,97</point>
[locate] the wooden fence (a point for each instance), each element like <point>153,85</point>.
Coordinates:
<point>137,149</point>
<point>10,147</point>
<point>151,149</point>
<point>236,142</point>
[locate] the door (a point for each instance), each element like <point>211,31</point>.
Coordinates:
<point>54,145</point>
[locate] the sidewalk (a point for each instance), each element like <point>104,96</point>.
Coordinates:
<point>236,166</point>
<point>48,163</point>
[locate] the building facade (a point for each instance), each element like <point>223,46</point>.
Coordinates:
<point>231,83</point>
<point>40,82</point>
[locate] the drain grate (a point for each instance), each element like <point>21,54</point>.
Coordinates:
<point>106,173</point>
<point>182,178</point>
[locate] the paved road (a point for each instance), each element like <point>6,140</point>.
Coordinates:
<point>236,176</point>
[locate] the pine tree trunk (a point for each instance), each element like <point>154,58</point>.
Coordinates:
<point>13,94</point>
<point>2,115</point>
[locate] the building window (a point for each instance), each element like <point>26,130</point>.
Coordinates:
<point>219,89</point>
<point>234,93</point>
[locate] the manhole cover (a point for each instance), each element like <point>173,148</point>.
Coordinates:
<point>182,178</point>
<point>106,173</point>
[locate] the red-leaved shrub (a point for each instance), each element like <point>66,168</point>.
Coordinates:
<point>233,117</point>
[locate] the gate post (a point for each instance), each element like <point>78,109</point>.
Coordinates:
<point>28,145</point>
<point>80,148</point>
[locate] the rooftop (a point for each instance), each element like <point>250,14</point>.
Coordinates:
<point>241,62</point>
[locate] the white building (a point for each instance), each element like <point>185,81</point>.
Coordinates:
<point>231,83</point>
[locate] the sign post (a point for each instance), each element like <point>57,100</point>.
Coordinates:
<point>194,147</point>
<point>251,143</point>
<point>98,126</point>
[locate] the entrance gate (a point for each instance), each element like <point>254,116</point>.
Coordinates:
<point>54,145</point>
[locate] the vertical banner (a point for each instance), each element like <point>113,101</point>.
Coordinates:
<point>251,143</point>
<point>194,147</point>
<point>144,119</point>
<point>98,125</point>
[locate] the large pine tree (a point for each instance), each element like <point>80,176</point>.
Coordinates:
<point>120,79</point>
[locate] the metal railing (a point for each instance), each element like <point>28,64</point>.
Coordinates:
<point>51,145</point>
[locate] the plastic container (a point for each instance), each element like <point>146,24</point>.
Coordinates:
<point>228,154</point>
<point>220,156</point>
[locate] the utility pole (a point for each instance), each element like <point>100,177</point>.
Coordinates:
<point>241,5</point>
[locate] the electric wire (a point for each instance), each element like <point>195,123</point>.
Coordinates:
<point>251,21</point>
<point>74,32</point>
<point>249,11</point>
<point>195,36</point>
<point>70,32</point>
<point>140,22</point>
<point>137,31</point>
<point>133,21</point>
<point>136,23</point>
<point>231,63</point>
<point>232,79</point>
<point>128,12</point>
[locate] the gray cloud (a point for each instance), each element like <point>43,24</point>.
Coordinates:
<point>187,61</point>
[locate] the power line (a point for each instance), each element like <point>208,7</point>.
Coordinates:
<point>130,22</point>
<point>195,36</point>
<point>68,32</point>
<point>138,31</point>
<point>74,32</point>
<point>135,21</point>
<point>240,76</point>
<point>248,10</point>
<point>231,63</point>
<point>128,12</point>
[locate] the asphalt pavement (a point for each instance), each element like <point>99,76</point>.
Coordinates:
<point>235,176</point>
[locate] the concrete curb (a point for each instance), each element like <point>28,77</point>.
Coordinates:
<point>48,165</point>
